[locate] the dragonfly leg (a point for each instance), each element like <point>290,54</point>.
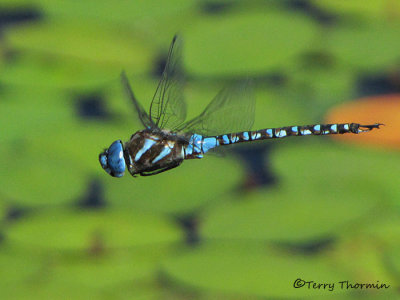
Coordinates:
<point>159,170</point>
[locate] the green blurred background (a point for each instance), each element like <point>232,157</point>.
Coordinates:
<point>243,226</point>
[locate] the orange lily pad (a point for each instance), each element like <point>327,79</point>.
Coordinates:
<point>383,109</point>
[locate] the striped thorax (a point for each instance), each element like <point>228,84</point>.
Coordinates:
<point>147,151</point>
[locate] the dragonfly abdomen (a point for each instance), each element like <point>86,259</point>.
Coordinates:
<point>198,144</point>
<point>281,132</point>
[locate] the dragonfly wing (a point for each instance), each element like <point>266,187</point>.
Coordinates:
<point>168,107</point>
<point>232,110</point>
<point>143,116</point>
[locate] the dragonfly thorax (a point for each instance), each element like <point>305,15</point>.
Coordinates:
<point>148,151</point>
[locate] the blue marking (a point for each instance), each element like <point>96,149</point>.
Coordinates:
<point>234,138</point>
<point>280,134</point>
<point>270,133</point>
<point>189,149</point>
<point>246,136</point>
<point>225,139</point>
<point>255,135</point>
<point>197,138</point>
<point>334,127</point>
<point>148,143</point>
<point>163,153</point>
<point>194,146</point>
<point>317,127</point>
<point>346,127</point>
<point>295,129</point>
<point>306,132</point>
<point>209,143</point>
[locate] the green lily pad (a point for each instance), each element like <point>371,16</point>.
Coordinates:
<point>370,45</point>
<point>372,8</point>
<point>38,177</point>
<point>306,205</point>
<point>47,291</point>
<point>392,260</point>
<point>249,270</point>
<point>281,107</point>
<point>37,71</point>
<point>79,230</point>
<point>126,12</point>
<point>296,216</point>
<point>16,267</point>
<point>356,170</point>
<point>88,41</point>
<point>112,268</point>
<point>191,186</point>
<point>91,250</point>
<point>43,274</point>
<point>383,227</point>
<point>29,113</point>
<point>33,120</point>
<point>363,259</point>
<point>318,90</point>
<point>213,46</point>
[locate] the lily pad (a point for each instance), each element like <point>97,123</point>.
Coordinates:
<point>51,72</point>
<point>281,107</point>
<point>112,268</point>
<point>367,46</point>
<point>191,186</point>
<point>305,206</point>
<point>393,261</point>
<point>28,113</point>
<point>317,90</point>
<point>363,259</point>
<point>41,273</point>
<point>126,12</point>
<point>38,177</point>
<point>252,270</point>
<point>357,170</point>
<point>382,228</point>
<point>90,230</point>
<point>372,8</point>
<point>16,266</point>
<point>85,40</point>
<point>246,43</point>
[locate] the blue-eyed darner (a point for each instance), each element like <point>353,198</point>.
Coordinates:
<point>168,140</point>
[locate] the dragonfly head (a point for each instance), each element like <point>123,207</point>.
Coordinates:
<point>112,159</point>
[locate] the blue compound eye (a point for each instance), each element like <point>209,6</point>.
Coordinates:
<point>112,160</point>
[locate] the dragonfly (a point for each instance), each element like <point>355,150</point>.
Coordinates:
<point>167,139</point>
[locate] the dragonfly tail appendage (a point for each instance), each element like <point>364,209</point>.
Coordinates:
<point>281,132</point>
<point>366,128</point>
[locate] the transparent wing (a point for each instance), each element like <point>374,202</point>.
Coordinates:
<point>232,110</point>
<point>143,116</point>
<point>168,108</point>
